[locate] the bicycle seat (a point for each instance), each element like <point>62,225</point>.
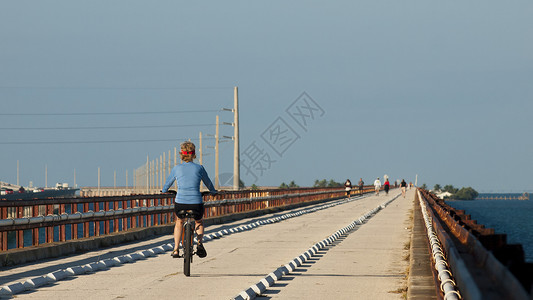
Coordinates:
<point>185,212</point>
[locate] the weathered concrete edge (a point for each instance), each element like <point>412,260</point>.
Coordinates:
<point>14,257</point>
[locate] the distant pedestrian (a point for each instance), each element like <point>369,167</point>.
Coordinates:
<point>377,186</point>
<point>348,187</point>
<point>386,186</point>
<point>361,186</point>
<point>403,185</point>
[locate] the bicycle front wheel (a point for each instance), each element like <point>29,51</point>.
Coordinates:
<point>187,250</point>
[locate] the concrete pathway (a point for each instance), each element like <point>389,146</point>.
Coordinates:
<point>369,263</point>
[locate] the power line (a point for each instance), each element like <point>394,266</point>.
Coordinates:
<point>109,88</point>
<point>110,113</point>
<point>97,142</point>
<point>104,127</point>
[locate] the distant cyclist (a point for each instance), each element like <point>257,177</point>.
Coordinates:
<point>188,176</point>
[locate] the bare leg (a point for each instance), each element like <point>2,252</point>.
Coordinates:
<point>199,230</point>
<point>177,233</point>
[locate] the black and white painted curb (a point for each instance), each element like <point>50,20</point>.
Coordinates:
<point>447,286</point>
<point>33,283</point>
<point>283,217</point>
<point>260,287</point>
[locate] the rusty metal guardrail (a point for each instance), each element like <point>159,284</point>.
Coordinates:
<point>440,261</point>
<point>502,268</point>
<point>104,215</point>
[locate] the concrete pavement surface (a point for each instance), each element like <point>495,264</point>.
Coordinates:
<point>368,263</point>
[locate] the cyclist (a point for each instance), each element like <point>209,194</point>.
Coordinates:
<point>188,176</point>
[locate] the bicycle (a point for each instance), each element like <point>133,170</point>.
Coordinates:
<point>188,232</point>
<point>187,240</point>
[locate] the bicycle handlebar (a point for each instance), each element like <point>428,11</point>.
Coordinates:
<point>203,193</point>
<point>209,193</point>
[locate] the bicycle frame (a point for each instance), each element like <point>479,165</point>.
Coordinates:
<point>187,241</point>
<point>187,236</point>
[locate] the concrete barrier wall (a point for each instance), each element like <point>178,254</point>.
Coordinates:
<point>474,266</point>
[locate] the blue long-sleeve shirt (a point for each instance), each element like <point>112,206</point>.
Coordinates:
<point>188,176</point>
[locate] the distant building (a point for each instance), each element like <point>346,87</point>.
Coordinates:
<point>445,194</point>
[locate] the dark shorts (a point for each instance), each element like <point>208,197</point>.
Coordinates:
<point>198,210</point>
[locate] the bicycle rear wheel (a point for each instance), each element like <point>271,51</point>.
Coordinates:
<point>187,250</point>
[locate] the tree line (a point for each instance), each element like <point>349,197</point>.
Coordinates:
<point>464,193</point>
<point>318,183</point>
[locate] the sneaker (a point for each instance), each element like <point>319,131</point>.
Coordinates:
<point>200,250</point>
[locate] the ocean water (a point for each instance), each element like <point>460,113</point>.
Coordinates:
<point>512,217</point>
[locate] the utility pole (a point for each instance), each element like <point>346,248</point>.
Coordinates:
<point>164,168</point>
<point>45,176</point>
<point>153,175</point>
<point>175,164</point>
<point>147,174</point>
<point>98,181</point>
<point>216,153</point>
<point>75,178</point>
<point>18,173</point>
<point>200,150</point>
<point>156,172</point>
<point>236,161</point>
<point>235,138</point>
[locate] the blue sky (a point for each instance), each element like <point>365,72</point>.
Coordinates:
<point>442,90</point>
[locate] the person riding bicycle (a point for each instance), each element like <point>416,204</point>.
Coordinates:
<point>188,197</point>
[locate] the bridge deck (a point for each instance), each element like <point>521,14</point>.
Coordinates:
<point>368,263</point>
